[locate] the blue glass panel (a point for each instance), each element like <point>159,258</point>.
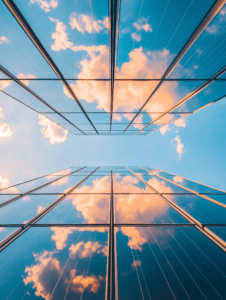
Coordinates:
<point>169,263</point>
<point>219,231</point>
<point>129,184</point>
<point>6,231</point>
<point>144,209</point>
<point>201,209</point>
<point>56,263</point>
<point>95,184</point>
<point>77,209</point>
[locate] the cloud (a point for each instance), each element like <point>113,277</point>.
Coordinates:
<point>212,29</point>
<point>179,146</point>
<point>4,39</point>
<point>40,209</point>
<point>61,181</point>
<point>85,23</point>
<point>80,282</point>
<point>26,82</point>
<point>50,130</point>
<point>41,274</point>
<point>4,83</point>
<point>61,235</point>
<point>136,263</point>
<point>143,25</point>
<point>136,36</point>
<point>223,11</point>
<point>180,123</point>
<point>5,130</point>
<point>178,179</point>
<point>45,5</point>
<point>4,183</point>
<point>164,129</point>
<point>83,250</point>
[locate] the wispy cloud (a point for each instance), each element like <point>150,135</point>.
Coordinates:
<point>45,5</point>
<point>3,39</point>
<point>5,130</point>
<point>143,25</point>
<point>26,82</point>
<point>179,145</point>
<point>50,130</point>
<point>85,23</point>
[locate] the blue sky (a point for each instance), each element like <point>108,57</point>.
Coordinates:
<point>77,37</point>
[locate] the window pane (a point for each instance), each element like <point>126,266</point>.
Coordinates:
<point>22,210</point>
<point>62,185</point>
<point>129,184</point>
<point>65,262</point>
<point>219,231</point>
<point>95,184</point>
<point>202,210</point>
<point>144,209</point>
<point>77,209</point>
<point>169,263</point>
<point>6,231</point>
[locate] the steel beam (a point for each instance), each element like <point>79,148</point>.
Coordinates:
<point>14,10</point>
<point>213,11</point>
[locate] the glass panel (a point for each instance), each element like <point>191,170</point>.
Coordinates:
<point>194,185</point>
<point>219,198</point>
<point>144,209</point>
<point>129,184</point>
<point>18,54</point>
<point>170,93</point>
<point>75,34</point>
<point>201,209</point>
<point>162,186</point>
<point>153,33</point>
<point>219,231</point>
<point>95,184</point>
<point>211,93</point>
<point>14,90</point>
<point>99,117</point>
<point>57,262</point>
<point>24,187</point>
<point>77,209</point>
<point>207,54</point>
<point>129,96</point>
<point>4,198</point>
<point>63,172</point>
<point>22,210</point>
<point>55,93</point>
<point>6,231</point>
<point>62,185</point>
<point>169,263</point>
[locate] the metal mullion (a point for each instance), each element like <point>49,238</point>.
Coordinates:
<point>7,241</point>
<point>35,110</point>
<point>116,79</point>
<point>198,225</point>
<point>189,96</point>
<point>111,256</point>
<point>12,7</point>
<point>114,19</point>
<point>33,190</point>
<point>213,11</point>
<point>190,190</point>
<point>21,84</point>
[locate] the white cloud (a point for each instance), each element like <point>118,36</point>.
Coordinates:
<point>85,23</point>
<point>212,29</point>
<point>164,129</point>
<point>5,130</point>
<point>180,123</point>
<point>179,145</point>
<point>4,84</point>
<point>45,5</point>
<point>136,36</point>
<point>54,132</point>
<point>143,25</point>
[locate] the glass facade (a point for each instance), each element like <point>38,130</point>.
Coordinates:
<point>91,68</point>
<point>112,233</point>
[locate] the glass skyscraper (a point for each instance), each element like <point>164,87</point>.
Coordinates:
<point>112,233</point>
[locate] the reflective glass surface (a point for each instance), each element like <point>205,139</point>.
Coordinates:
<point>6,231</point>
<point>201,209</point>
<point>77,209</point>
<point>219,231</point>
<point>4,198</point>
<point>168,263</point>
<point>57,263</point>
<point>95,184</point>
<point>144,209</point>
<point>24,209</point>
<point>62,185</point>
<point>129,184</point>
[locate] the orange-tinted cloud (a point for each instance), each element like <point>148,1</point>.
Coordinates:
<point>178,179</point>
<point>61,235</point>
<point>180,123</point>
<point>143,25</point>
<point>80,282</point>
<point>40,274</point>
<point>82,249</point>
<point>26,82</point>
<point>86,23</point>
<point>3,39</point>
<point>4,183</point>
<point>45,5</point>
<point>51,130</point>
<point>136,263</point>
<point>5,130</point>
<point>61,181</point>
